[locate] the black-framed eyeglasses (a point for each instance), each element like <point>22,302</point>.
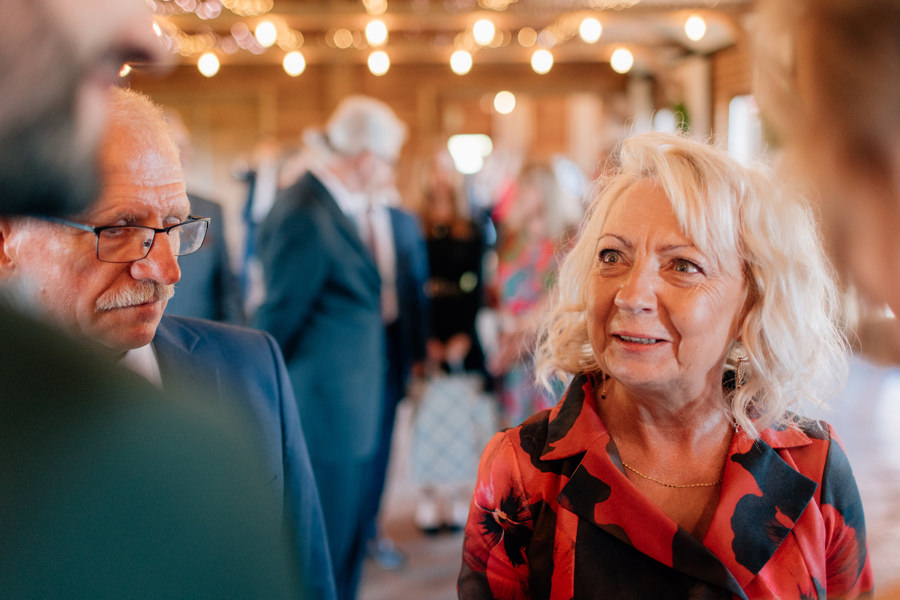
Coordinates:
<point>129,243</point>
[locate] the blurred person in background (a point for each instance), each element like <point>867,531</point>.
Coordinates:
<point>456,249</point>
<point>534,222</point>
<point>394,238</point>
<point>110,489</point>
<point>444,459</point>
<point>263,173</point>
<point>698,318</point>
<point>828,86</point>
<point>323,304</point>
<point>209,288</point>
<point>830,91</point>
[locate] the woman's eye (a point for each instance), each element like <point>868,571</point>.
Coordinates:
<point>686,266</point>
<point>609,257</point>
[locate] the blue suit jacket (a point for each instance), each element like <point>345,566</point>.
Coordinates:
<point>323,306</point>
<point>243,368</point>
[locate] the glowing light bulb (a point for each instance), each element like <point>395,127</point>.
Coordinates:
<point>343,38</point>
<point>375,7</point>
<point>527,37</point>
<point>461,62</point>
<point>294,64</point>
<point>208,64</point>
<point>379,63</point>
<point>376,33</point>
<point>621,61</point>
<point>590,30</point>
<point>541,61</point>
<point>695,28</point>
<point>483,32</point>
<point>266,34</point>
<point>504,102</point>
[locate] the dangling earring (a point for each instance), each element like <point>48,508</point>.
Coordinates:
<point>739,373</point>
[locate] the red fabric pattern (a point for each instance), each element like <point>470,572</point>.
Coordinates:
<point>553,516</point>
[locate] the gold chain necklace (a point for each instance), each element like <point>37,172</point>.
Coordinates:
<point>670,485</point>
<point>647,477</point>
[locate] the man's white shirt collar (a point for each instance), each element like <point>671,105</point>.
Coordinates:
<point>143,361</point>
<point>351,204</point>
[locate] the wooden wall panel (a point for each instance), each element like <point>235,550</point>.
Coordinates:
<point>232,112</point>
<point>229,113</point>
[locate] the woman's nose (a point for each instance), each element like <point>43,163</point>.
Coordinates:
<point>637,289</point>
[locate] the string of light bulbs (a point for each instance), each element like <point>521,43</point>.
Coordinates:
<point>208,46</point>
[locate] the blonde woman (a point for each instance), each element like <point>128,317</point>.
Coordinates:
<point>696,315</point>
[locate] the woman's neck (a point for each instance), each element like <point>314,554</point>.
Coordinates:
<point>647,419</point>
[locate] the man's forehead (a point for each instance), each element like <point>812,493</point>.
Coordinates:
<point>138,170</point>
<point>141,159</point>
<point>139,202</point>
<point>140,182</point>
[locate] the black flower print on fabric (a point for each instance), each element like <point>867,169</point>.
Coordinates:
<point>508,523</point>
<point>785,494</point>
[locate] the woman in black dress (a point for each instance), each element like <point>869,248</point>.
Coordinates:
<point>445,450</point>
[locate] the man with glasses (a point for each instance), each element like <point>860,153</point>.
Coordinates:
<point>106,274</point>
<point>110,490</point>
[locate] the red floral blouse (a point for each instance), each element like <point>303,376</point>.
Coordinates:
<point>554,516</point>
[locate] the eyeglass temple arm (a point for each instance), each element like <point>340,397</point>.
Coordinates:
<point>60,221</point>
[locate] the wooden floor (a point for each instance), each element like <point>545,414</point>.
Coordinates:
<point>866,416</point>
<point>433,560</point>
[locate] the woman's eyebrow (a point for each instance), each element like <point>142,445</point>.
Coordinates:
<point>672,247</point>
<point>677,247</point>
<point>621,240</point>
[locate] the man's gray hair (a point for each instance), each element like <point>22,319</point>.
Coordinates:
<point>141,121</point>
<point>360,124</point>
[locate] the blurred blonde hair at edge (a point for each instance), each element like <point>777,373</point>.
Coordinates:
<point>828,87</point>
<point>790,334</point>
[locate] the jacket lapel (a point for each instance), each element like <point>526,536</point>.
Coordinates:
<point>180,367</point>
<point>344,224</point>
<point>762,499</point>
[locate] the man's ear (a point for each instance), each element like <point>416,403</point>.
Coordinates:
<point>8,230</point>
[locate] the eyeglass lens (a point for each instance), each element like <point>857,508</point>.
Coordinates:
<point>130,243</point>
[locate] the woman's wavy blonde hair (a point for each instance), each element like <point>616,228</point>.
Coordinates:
<point>790,334</point>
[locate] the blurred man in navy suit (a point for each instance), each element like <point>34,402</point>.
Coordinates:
<point>324,305</point>
<point>395,239</point>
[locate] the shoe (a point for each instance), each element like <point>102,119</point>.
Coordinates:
<point>427,517</point>
<point>384,554</point>
<point>459,515</point>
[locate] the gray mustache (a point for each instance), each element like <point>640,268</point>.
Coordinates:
<point>148,291</point>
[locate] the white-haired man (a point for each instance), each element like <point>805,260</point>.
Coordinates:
<point>324,307</point>
<point>110,490</point>
<point>106,274</point>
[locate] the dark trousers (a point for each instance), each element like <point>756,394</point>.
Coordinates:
<point>393,394</point>
<point>346,518</point>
